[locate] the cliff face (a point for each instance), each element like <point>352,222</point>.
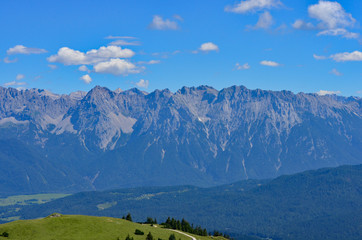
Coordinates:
<point>105,139</point>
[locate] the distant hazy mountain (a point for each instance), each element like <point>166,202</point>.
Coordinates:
<point>200,136</point>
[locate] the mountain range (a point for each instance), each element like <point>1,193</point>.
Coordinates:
<point>107,139</point>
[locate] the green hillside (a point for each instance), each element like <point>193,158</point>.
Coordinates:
<point>314,205</point>
<point>61,227</point>
<point>30,199</point>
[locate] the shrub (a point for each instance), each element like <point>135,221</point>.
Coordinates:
<point>139,232</point>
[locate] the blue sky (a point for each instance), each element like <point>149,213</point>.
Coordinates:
<point>65,46</point>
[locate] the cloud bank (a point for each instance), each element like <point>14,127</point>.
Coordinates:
<point>142,83</point>
<point>252,6</point>
<point>116,66</point>
<point>158,23</point>
<point>68,56</point>
<point>270,63</point>
<point>21,49</point>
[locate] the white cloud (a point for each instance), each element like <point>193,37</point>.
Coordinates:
<point>332,20</point>
<point>52,66</point>
<point>178,17</point>
<point>8,60</point>
<point>83,68</point>
<point>346,56</point>
<point>317,57</point>
<point>159,24</point>
<point>20,76</point>
<point>342,57</point>
<point>253,6</point>
<point>335,72</point>
<point>69,56</point>
<point>265,20</point>
<point>86,78</point>
<point>142,83</point>
<point>242,67</point>
<point>300,24</point>
<point>331,14</point>
<point>282,27</point>
<point>339,32</point>
<point>325,92</point>
<point>151,62</point>
<point>116,66</point>
<point>209,46</point>
<point>270,63</point>
<point>121,42</point>
<point>14,83</point>
<point>20,49</point>
<point>119,37</point>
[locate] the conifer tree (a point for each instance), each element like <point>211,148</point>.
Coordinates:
<point>172,237</point>
<point>129,238</point>
<point>149,236</point>
<point>129,217</point>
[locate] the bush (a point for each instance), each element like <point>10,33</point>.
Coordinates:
<point>139,232</point>
<point>5,234</point>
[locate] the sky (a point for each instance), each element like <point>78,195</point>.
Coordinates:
<point>311,46</point>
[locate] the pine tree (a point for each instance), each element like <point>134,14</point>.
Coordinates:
<point>149,236</point>
<point>129,238</point>
<point>129,217</point>
<point>172,237</point>
<point>149,220</point>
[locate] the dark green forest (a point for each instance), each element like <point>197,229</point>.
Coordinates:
<point>320,204</point>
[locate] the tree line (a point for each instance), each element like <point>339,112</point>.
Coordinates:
<point>149,236</point>
<point>182,225</point>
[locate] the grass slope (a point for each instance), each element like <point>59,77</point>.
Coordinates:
<point>30,199</point>
<point>85,227</point>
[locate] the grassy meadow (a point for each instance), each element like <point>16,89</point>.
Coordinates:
<point>86,227</point>
<point>30,199</point>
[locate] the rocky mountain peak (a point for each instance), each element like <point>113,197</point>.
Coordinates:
<point>78,95</point>
<point>118,90</point>
<point>209,135</point>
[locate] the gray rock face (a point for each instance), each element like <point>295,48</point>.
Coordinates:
<point>105,139</point>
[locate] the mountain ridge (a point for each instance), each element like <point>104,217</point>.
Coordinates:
<point>211,136</point>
